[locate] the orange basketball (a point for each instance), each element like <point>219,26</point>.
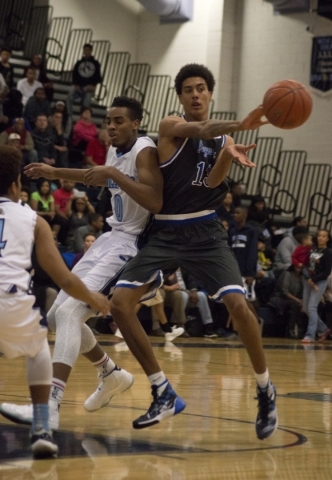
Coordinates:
<point>287,104</point>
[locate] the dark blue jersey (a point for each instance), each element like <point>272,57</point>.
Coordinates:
<point>185,188</point>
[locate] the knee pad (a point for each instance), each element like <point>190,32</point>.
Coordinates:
<point>39,367</point>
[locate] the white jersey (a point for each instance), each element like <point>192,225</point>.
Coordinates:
<point>128,216</point>
<point>17,226</point>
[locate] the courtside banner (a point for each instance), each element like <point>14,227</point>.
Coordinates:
<point>321,63</point>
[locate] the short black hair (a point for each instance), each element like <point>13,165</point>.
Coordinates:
<point>89,234</point>
<point>38,89</point>
<point>134,106</point>
<point>299,230</point>
<point>194,70</point>
<point>88,45</point>
<point>10,167</point>
<point>93,217</point>
<point>297,219</point>
<point>84,108</point>
<point>6,49</point>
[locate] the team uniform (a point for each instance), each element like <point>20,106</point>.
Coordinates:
<point>22,328</point>
<point>187,233</point>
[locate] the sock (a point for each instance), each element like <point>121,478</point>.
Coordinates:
<point>105,366</point>
<point>40,417</point>
<point>57,389</point>
<point>262,379</point>
<point>159,380</point>
<point>165,327</point>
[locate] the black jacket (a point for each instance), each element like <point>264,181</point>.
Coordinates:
<point>87,72</point>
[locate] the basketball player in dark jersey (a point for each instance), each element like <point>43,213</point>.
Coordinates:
<point>194,156</point>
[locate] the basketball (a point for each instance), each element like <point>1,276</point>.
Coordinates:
<point>287,104</point>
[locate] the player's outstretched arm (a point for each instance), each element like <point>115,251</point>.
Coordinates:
<point>51,261</point>
<point>228,154</point>
<point>147,192</point>
<point>37,170</point>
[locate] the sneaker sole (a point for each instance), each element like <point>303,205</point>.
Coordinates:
<point>270,433</point>
<point>180,405</point>
<point>108,401</point>
<point>44,449</point>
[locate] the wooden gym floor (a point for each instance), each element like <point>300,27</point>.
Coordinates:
<point>214,438</point>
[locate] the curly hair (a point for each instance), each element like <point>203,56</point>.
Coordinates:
<point>194,70</point>
<point>10,167</point>
<point>134,106</point>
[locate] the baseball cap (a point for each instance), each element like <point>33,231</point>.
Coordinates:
<point>59,102</point>
<point>14,136</point>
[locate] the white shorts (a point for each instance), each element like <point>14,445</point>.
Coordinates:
<point>21,331</point>
<point>102,264</point>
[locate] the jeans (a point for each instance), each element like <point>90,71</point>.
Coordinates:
<point>74,94</point>
<point>311,300</point>
<point>202,305</point>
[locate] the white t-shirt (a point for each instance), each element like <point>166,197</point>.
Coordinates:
<point>26,89</point>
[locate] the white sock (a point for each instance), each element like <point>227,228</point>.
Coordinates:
<point>57,390</point>
<point>159,379</point>
<point>262,379</point>
<point>104,366</point>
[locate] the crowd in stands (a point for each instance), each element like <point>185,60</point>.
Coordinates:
<point>286,272</point>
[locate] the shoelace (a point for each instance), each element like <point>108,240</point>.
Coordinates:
<point>264,402</point>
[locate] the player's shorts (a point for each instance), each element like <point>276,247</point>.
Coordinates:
<point>101,265</point>
<point>193,242</point>
<point>22,327</point>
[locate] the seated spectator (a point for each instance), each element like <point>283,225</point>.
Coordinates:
<point>237,191</point>
<point>283,256</point>
<point>89,239</point>
<point>25,144</point>
<point>6,69</point>
<point>61,197</point>
<point>77,211</point>
<point>41,75</point>
<point>226,210</point>
<point>97,149</point>
<point>60,143</point>
<point>13,107</point>
<point>287,302</point>
<point>44,141</point>
<point>94,227</point>
<point>37,105</point>
<point>259,217</point>
<point>25,196</point>
<point>265,257</point>
<point>66,121</point>
<point>42,200</point>
<point>173,299</point>
<point>28,85</point>
<point>301,254</point>
<point>299,221</point>
<point>3,95</point>
<point>84,130</point>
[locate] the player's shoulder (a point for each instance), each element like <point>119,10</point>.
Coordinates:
<point>141,143</point>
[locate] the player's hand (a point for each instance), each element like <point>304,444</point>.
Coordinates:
<point>37,170</point>
<point>254,120</point>
<point>100,303</point>
<point>97,176</point>
<point>239,154</point>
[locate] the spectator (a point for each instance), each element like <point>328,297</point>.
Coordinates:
<point>89,239</point>
<point>42,200</point>
<point>26,144</point>
<point>59,141</point>
<point>78,209</point>
<point>6,69</point>
<point>226,210</point>
<point>95,228</point>
<point>28,85</point>
<point>61,197</point>
<point>44,141</point>
<point>3,94</point>
<point>37,105</point>
<point>286,300</point>
<point>283,257</point>
<point>86,75</point>
<point>13,107</point>
<point>314,285</point>
<point>173,299</point>
<point>237,190</point>
<point>66,124</point>
<point>301,254</point>
<point>43,287</point>
<point>97,148</point>
<point>41,75</point>
<point>299,221</point>
<point>84,130</point>
<point>25,195</point>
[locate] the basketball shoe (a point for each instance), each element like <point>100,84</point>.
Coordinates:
<point>117,381</point>
<point>23,414</point>
<point>176,332</point>
<point>42,445</point>
<point>267,418</point>
<point>165,405</point>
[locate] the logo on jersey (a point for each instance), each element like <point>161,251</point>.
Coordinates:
<point>86,69</point>
<point>206,151</point>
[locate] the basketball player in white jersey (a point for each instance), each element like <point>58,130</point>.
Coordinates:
<point>23,330</point>
<point>134,179</point>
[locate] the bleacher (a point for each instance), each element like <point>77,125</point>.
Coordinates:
<point>289,183</point>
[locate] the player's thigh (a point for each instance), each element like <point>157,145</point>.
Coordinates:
<point>22,327</point>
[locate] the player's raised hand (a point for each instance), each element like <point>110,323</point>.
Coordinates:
<point>239,154</point>
<point>254,119</point>
<point>99,302</point>
<point>37,170</point>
